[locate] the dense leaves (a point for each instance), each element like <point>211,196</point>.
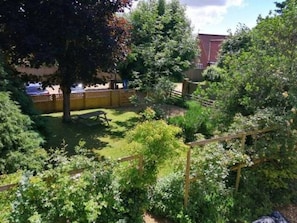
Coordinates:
<point>55,196</point>
<point>19,144</point>
<point>156,141</point>
<point>162,43</point>
<point>194,121</point>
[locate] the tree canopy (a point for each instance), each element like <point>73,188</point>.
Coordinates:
<point>79,37</point>
<point>162,43</point>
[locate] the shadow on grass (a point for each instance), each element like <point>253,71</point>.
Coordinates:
<point>96,137</point>
<point>72,133</point>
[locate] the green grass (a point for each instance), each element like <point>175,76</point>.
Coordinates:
<point>105,140</point>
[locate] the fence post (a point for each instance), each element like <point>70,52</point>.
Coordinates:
<point>238,175</point>
<point>187,178</point>
<point>85,100</point>
<point>54,105</point>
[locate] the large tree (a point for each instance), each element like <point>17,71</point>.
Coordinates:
<point>79,37</point>
<point>162,43</point>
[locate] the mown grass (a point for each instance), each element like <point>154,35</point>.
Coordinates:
<point>104,140</point>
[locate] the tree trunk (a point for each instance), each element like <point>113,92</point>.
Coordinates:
<point>66,103</point>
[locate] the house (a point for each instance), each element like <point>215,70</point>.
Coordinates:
<point>209,48</point>
<point>209,45</point>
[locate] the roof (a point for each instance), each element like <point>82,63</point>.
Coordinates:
<point>210,46</point>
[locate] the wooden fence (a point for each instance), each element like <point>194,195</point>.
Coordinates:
<point>205,102</point>
<point>106,98</point>
<point>242,136</point>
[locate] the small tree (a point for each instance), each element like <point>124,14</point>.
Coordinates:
<point>156,142</point>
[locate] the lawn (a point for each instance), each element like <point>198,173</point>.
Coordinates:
<point>105,140</point>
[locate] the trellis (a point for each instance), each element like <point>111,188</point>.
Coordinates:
<point>242,136</point>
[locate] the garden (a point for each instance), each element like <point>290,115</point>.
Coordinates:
<point>233,161</point>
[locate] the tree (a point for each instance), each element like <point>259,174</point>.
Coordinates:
<point>162,43</point>
<point>236,43</point>
<point>79,37</point>
<point>281,6</point>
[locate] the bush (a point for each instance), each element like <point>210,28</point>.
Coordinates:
<point>213,73</point>
<point>11,82</point>
<point>156,142</point>
<point>195,120</point>
<point>56,196</point>
<point>167,197</point>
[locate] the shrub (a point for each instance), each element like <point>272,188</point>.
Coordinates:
<point>56,196</point>
<point>195,120</point>
<point>213,73</point>
<point>166,198</point>
<point>157,143</point>
<point>11,82</point>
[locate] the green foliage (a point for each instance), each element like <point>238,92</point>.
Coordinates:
<point>156,99</point>
<point>157,142</point>
<point>259,91</point>
<point>162,43</point>
<point>259,64</point>
<point>54,196</point>
<point>166,198</point>
<point>234,45</point>
<point>195,120</point>
<point>213,73</point>
<point>11,82</point>
<point>276,172</point>
<point>19,144</point>
<point>148,114</point>
<point>210,198</point>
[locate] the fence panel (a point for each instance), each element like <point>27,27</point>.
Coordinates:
<point>86,100</point>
